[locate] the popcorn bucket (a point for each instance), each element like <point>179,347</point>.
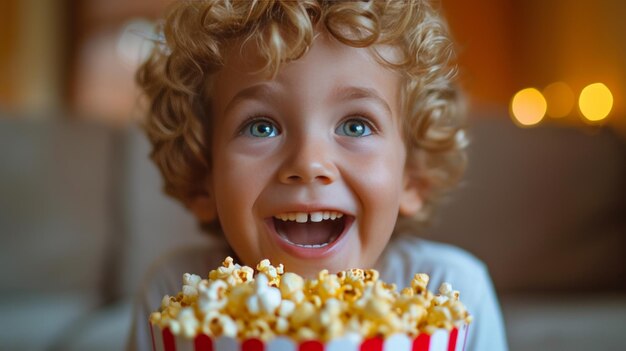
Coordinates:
<point>440,340</point>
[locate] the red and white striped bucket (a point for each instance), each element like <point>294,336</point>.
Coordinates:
<point>440,340</point>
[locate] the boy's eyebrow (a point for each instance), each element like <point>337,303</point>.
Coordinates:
<point>263,92</point>
<point>257,91</point>
<point>356,93</point>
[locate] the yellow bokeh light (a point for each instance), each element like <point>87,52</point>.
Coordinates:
<point>528,107</point>
<point>595,102</point>
<point>560,99</point>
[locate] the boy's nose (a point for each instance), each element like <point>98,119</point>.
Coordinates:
<point>308,164</point>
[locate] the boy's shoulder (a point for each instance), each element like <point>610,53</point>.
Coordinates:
<point>407,254</point>
<point>414,250</point>
<point>166,273</point>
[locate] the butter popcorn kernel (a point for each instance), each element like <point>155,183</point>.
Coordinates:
<point>241,302</point>
<point>419,283</point>
<point>188,322</point>
<point>290,283</point>
<point>219,325</point>
<point>191,279</point>
<point>265,299</point>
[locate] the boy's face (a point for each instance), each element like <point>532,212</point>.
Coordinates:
<point>322,139</point>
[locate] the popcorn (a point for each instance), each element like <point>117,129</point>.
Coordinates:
<point>212,296</point>
<point>440,300</point>
<point>191,279</point>
<point>216,324</point>
<point>290,283</point>
<point>419,283</point>
<point>328,285</point>
<point>155,317</point>
<point>445,289</point>
<point>174,326</point>
<point>190,291</point>
<point>258,328</point>
<point>302,315</point>
<point>265,299</point>
<point>282,325</point>
<point>272,272</point>
<point>235,302</point>
<point>188,322</point>
<point>286,308</point>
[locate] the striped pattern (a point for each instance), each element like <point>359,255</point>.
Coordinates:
<point>441,340</point>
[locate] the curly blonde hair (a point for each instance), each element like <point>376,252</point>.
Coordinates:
<point>196,34</point>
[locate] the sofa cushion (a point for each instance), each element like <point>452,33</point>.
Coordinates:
<point>35,321</point>
<point>543,207</point>
<point>565,322</point>
<point>55,208</point>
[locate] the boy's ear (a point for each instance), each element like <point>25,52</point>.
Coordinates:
<point>410,199</point>
<point>203,207</point>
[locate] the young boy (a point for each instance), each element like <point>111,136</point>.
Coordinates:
<point>315,134</point>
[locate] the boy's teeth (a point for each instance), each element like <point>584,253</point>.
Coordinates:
<point>313,246</point>
<point>317,216</point>
<point>303,217</point>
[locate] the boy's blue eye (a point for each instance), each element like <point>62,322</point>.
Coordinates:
<point>354,128</point>
<point>262,129</point>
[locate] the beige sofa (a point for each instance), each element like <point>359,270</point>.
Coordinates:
<point>81,218</point>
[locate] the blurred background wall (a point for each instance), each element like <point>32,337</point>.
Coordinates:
<point>543,202</point>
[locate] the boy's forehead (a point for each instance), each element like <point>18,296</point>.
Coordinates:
<point>245,66</point>
<point>245,57</point>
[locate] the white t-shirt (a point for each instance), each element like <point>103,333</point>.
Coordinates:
<point>404,256</point>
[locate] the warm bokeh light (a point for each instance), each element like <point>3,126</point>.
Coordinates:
<point>595,102</point>
<point>560,99</point>
<point>528,107</point>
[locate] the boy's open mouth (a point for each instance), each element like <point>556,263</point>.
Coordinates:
<point>311,230</point>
